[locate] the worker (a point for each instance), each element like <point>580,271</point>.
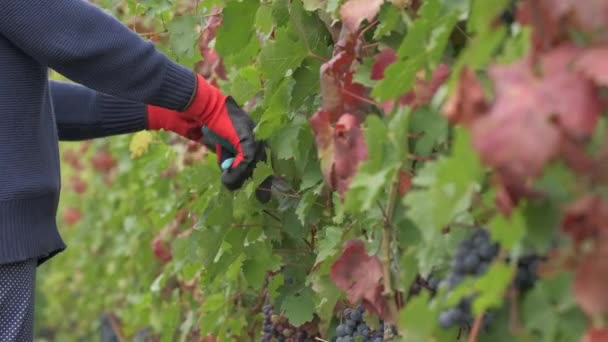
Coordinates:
<point>120,84</point>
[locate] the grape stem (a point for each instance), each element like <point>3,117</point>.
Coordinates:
<point>386,245</point>
<point>514,323</point>
<point>476,327</point>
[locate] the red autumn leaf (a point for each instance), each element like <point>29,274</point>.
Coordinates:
<point>592,64</point>
<point>77,184</point>
<point>523,128</point>
<point>589,16</point>
<point>566,93</point>
<point>350,150</point>
<point>335,76</point>
<point>103,161</point>
<point>424,90</point>
<point>551,20</point>
<point>71,215</point>
<point>161,249</point>
<point>353,12</point>
<point>353,93</point>
<point>591,280</point>
<point>468,102</point>
<point>360,275</point>
<point>331,94</point>
<point>73,159</point>
<point>543,17</point>
<point>595,335</point>
<point>324,140</point>
<point>383,59</point>
<point>340,148</point>
<point>585,219</point>
<point>212,66</point>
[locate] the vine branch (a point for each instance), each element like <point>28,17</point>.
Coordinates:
<point>476,328</point>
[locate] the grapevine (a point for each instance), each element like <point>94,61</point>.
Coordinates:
<point>440,173</point>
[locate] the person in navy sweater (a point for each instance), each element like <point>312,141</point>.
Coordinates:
<point>121,84</point>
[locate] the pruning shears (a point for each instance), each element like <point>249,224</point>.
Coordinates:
<point>264,190</point>
<point>225,144</point>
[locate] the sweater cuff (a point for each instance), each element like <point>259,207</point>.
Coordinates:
<point>122,117</point>
<point>178,87</point>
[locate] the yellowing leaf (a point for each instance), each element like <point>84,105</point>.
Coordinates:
<point>140,143</point>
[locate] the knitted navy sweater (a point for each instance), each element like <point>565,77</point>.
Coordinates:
<point>119,73</point>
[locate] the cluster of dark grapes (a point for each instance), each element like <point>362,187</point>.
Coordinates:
<point>354,326</point>
<point>473,257</point>
<point>277,328</point>
<point>431,283</point>
<point>526,275</point>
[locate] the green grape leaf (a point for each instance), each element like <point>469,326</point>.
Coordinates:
<point>399,78</point>
<point>508,231</point>
<point>329,243</point>
<point>306,89</point>
<point>417,321</point>
<point>281,57</point>
<point>260,261</point>
<point>183,39</point>
<point>277,107</point>
<point>450,183</point>
<point>366,187</point>
<point>246,84</point>
<point>492,287</point>
<point>236,31</point>
<point>419,32</point>
<point>550,311</point>
<point>388,21</point>
<point>299,308</point>
<point>313,5</point>
<point>484,14</point>
<point>430,129</point>
<point>280,12</point>
<point>308,210</point>
<point>309,30</point>
<point>263,19</point>
<point>327,295</point>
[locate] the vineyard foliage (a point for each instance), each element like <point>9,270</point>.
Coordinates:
<point>396,130</point>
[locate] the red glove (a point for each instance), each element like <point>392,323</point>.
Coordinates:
<point>170,120</point>
<point>220,113</point>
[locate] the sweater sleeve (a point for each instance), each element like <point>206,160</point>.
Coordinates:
<point>82,113</point>
<point>90,47</point>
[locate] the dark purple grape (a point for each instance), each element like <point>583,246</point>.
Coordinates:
<point>487,251</point>
<point>348,330</point>
<point>341,330</point>
<point>448,318</point>
<point>356,316</point>
<point>471,262</point>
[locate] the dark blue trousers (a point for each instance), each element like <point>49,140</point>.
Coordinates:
<point>17,288</point>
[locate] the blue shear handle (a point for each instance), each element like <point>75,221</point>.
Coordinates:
<point>227,163</point>
<point>225,144</point>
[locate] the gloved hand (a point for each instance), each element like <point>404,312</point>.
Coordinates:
<point>170,120</point>
<point>226,120</point>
